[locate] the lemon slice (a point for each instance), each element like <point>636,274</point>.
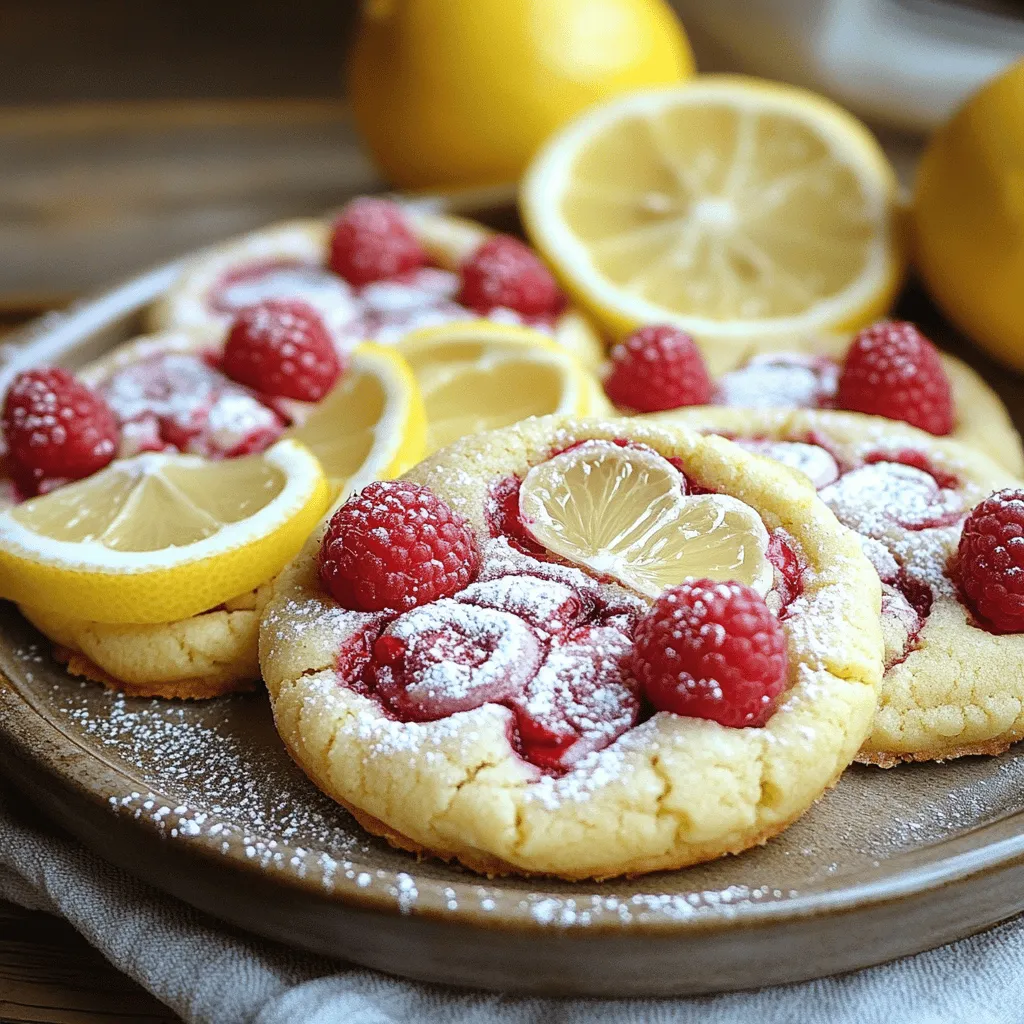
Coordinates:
<point>477,375</point>
<point>622,513</point>
<point>732,207</point>
<point>372,426</point>
<point>161,537</point>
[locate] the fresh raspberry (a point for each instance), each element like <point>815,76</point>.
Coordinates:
<point>56,428</point>
<point>282,347</point>
<point>893,370</point>
<point>372,241</point>
<point>991,560</point>
<point>711,650</point>
<point>655,368</point>
<point>505,272</point>
<point>396,545</point>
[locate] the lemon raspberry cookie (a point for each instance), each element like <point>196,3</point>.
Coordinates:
<point>889,369</point>
<point>375,273</point>
<point>954,682</point>
<point>583,648</point>
<point>198,441</point>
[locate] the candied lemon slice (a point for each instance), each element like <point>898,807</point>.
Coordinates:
<point>733,207</point>
<point>478,375</point>
<point>622,512</point>
<point>161,537</point>
<point>372,426</point>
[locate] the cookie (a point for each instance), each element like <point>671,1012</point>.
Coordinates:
<point>952,686</point>
<point>501,726</point>
<point>807,377</point>
<point>288,260</point>
<point>208,655</point>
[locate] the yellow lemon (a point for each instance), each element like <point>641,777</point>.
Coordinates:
<point>477,375</point>
<point>738,209</point>
<point>161,537</point>
<point>372,426</point>
<point>622,512</point>
<point>455,94</point>
<point>969,217</point>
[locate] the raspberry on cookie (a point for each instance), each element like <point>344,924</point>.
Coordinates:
<point>514,716</point>
<point>889,369</point>
<point>944,527</point>
<point>376,272</point>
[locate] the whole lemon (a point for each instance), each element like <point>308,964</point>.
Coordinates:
<point>460,93</point>
<point>969,217</point>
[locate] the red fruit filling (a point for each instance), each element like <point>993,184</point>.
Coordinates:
<point>789,573</point>
<point>264,280</point>
<point>180,401</point>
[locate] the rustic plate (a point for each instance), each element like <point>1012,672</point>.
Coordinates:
<point>203,802</point>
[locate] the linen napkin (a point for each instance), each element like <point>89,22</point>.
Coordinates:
<point>209,973</point>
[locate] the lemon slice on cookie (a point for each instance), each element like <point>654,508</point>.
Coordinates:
<point>730,206</point>
<point>161,537</point>
<point>623,512</point>
<point>478,375</point>
<point>372,426</point>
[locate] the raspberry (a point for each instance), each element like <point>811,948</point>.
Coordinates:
<point>505,272</point>
<point>711,650</point>
<point>282,347</point>
<point>656,368</point>
<point>56,428</point>
<point>893,370</point>
<point>991,560</point>
<point>396,545</point>
<point>372,241</point>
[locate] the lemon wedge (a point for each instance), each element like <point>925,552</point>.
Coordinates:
<point>478,375</point>
<point>732,207</point>
<point>372,426</point>
<point>622,512</point>
<point>161,537</point>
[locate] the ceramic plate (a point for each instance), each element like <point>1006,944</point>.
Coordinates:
<point>203,802</point>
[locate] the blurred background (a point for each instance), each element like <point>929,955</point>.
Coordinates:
<point>130,132</point>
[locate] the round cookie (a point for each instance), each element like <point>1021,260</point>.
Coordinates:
<point>208,655</point>
<point>668,792</point>
<point>951,687</point>
<point>805,375</point>
<point>288,259</point>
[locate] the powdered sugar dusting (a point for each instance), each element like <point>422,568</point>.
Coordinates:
<point>785,379</point>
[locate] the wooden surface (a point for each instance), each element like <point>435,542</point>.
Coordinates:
<point>94,192</point>
<point>48,973</point>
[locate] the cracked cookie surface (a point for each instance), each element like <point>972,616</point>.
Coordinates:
<point>666,792</point>
<point>951,687</point>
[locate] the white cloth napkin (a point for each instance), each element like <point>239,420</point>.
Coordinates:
<point>211,974</point>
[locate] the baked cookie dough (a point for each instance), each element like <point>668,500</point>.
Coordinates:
<point>208,655</point>
<point>666,792</point>
<point>288,260</point>
<point>951,686</point>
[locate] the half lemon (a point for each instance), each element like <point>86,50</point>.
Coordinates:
<point>732,207</point>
